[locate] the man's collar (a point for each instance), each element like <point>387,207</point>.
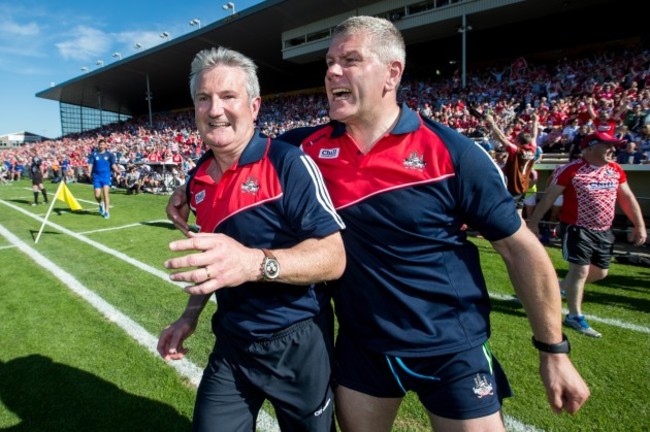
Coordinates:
<point>255,150</point>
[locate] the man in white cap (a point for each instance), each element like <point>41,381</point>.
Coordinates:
<point>591,186</point>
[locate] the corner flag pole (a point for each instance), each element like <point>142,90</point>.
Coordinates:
<point>47,215</point>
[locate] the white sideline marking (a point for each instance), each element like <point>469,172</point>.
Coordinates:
<point>265,423</point>
<point>7,247</point>
<point>608,321</point>
<point>512,424</point>
<point>184,367</point>
<point>187,369</point>
<point>117,254</point>
<point>165,276</point>
<point>125,226</point>
<point>110,229</point>
<point>28,198</point>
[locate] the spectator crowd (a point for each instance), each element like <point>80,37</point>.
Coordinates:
<point>572,97</point>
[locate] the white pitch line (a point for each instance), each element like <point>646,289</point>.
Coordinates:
<point>608,321</point>
<point>513,424</point>
<point>49,195</point>
<point>110,229</point>
<point>164,276</point>
<point>187,369</point>
<point>125,226</point>
<point>117,254</point>
<point>265,422</point>
<point>615,323</point>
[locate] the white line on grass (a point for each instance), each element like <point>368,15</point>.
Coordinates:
<point>7,247</point>
<point>184,367</point>
<point>608,321</point>
<point>81,200</point>
<point>91,202</point>
<point>126,226</point>
<point>117,254</point>
<point>164,276</point>
<point>52,193</point>
<point>513,424</point>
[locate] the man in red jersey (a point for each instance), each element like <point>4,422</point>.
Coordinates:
<point>591,186</point>
<point>521,157</point>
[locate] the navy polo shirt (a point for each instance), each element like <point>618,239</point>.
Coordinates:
<point>272,198</point>
<point>413,284</point>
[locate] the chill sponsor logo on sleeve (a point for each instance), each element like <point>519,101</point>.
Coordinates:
<point>332,153</point>
<point>199,197</point>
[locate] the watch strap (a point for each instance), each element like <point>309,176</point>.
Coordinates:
<point>268,254</point>
<point>563,347</point>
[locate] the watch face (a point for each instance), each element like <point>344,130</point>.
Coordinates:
<point>271,268</point>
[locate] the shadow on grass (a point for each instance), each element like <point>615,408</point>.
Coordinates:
<point>49,396</point>
<point>58,210</point>
<point>158,224</point>
<point>34,233</point>
<point>616,297</point>
<point>636,283</point>
<point>62,211</point>
<point>617,290</point>
<point>511,307</point>
<point>21,201</point>
<point>619,300</point>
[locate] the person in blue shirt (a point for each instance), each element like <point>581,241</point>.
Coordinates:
<point>66,172</point>
<point>17,170</point>
<point>101,165</point>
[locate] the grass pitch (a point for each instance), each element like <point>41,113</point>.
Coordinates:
<point>70,304</point>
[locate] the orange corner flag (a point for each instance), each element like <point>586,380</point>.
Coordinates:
<point>64,194</point>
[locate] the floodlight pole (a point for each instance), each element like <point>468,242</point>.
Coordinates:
<point>463,30</point>
<point>101,110</point>
<point>149,103</point>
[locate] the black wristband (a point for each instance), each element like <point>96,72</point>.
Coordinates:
<point>559,348</point>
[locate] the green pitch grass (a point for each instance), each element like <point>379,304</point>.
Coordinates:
<point>64,366</point>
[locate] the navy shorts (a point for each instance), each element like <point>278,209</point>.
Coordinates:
<point>292,370</point>
<point>465,385</point>
<point>584,246</point>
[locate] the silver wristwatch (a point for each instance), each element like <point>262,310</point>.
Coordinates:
<point>270,268</point>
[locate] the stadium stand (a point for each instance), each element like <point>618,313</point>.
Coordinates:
<point>611,75</point>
